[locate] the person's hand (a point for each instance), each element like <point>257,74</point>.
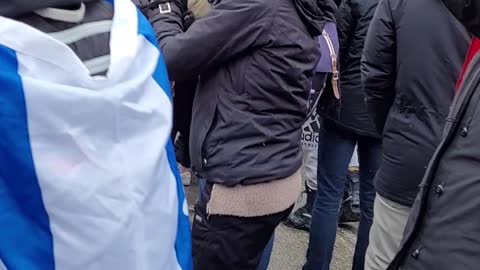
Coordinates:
<point>199,8</point>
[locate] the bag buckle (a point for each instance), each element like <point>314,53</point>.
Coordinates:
<point>335,75</point>
<point>165,8</point>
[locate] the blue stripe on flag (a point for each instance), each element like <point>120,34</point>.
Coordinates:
<point>25,237</point>
<point>183,240</point>
<point>161,74</point>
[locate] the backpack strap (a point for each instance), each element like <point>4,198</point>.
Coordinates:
<point>335,72</point>
<point>335,75</point>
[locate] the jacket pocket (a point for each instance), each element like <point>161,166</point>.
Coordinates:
<point>241,77</point>
<point>233,81</point>
<point>207,146</point>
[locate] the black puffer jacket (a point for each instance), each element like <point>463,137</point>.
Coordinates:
<point>413,55</point>
<point>255,58</point>
<point>443,229</point>
<point>350,112</point>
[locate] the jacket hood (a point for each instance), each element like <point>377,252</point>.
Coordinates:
<point>14,8</point>
<point>315,13</point>
<point>467,12</point>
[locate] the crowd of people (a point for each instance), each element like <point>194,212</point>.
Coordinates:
<point>367,106</point>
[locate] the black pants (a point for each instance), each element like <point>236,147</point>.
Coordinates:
<point>182,119</point>
<point>227,242</point>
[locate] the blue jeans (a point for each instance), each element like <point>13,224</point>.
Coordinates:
<point>267,253</point>
<point>334,156</point>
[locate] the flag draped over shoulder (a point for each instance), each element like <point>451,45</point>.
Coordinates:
<point>88,178</point>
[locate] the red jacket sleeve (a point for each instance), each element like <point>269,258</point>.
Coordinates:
<point>474,49</point>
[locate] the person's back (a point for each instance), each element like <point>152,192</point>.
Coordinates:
<point>350,114</point>
<point>255,59</point>
<point>84,128</point>
<point>262,104</point>
<point>413,56</point>
<point>412,84</point>
<point>443,229</point>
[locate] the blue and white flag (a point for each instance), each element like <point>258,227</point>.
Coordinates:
<point>88,179</point>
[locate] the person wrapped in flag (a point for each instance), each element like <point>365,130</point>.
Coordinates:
<point>88,178</point>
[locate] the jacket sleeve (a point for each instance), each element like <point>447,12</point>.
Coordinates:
<point>379,65</point>
<point>231,28</point>
<point>345,26</point>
